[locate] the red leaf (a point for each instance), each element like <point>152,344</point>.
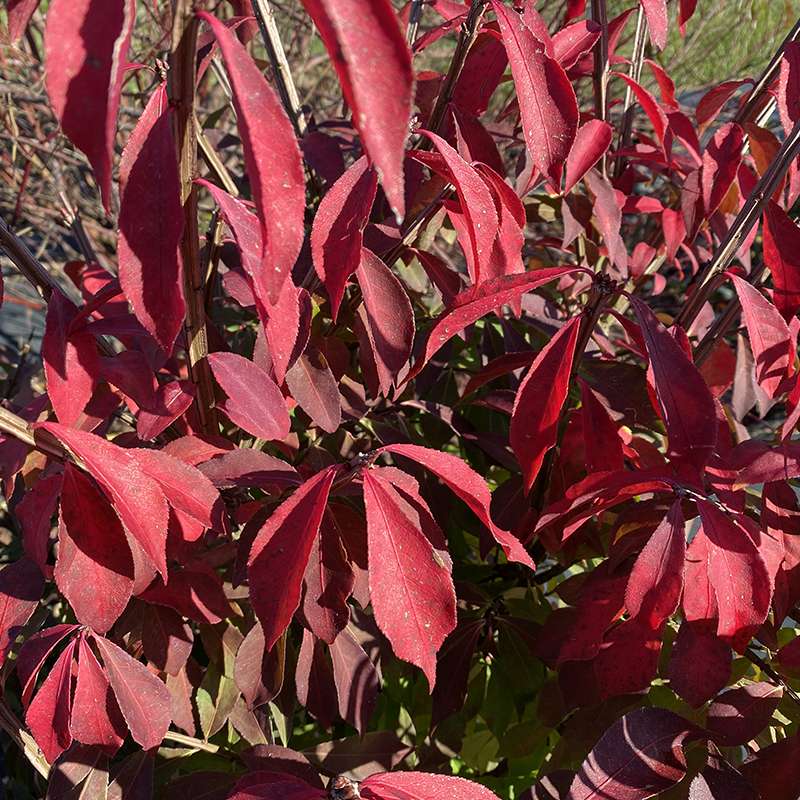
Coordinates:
<point>789,86</point>
<point>313,387</point>
<point>143,699</point>
<point>656,581</point>
<point>21,587</point>
<point>639,756</point>
<point>255,403</point>
<point>574,41</point>
<point>410,586</point>
<point>337,232</point>
<point>656,115</point>
<point>35,514</point>
<point>357,680</point>
<point>546,98</point>
<point>195,592</point>
<point>712,102</point>
<point>476,203</point>
<point>19,15</point>
<point>48,714</point>
<point>657,21</point>
<point>720,781</point>
<point>34,653</point>
<point>469,486</point>
<point>255,669</point>
<point>601,440</point>
<point>272,158</point>
<point>539,400</point>
<point>687,406</point>
<point>476,302</point>
<point>94,569</point>
<point>186,488</point>
<point>373,63</point>
<point>687,8</point>
<point>95,718</point>
<point>422,786</point>
<point>389,317</point>
<point>151,223</point>
<point>737,574</point>
<point>166,639</point>
<point>591,142</point>
<point>720,164</point>
<point>280,553</point>
<point>138,500</point>
<point>740,714</point>
<point>674,231</point>
<point>71,361</point>
<point>313,679</point>
<point>774,771</point>
<point>271,786</point>
<point>770,338</point>
<point>86,48</point>
<point>170,401</point>
<point>328,581</point>
<point>782,257</point>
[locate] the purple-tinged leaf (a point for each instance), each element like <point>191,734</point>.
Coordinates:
<point>21,587</point>
<point>740,714</point>
<point>721,161</point>
<point>591,142</point>
<point>313,387</point>
<point>357,680</point>
<point>422,786</point>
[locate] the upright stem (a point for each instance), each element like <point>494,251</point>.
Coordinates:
<point>414,17</point>
<point>181,86</point>
<point>469,31</point>
<point>600,78</point>
<point>745,219</point>
<point>635,72</point>
<point>280,64</point>
<point>750,106</point>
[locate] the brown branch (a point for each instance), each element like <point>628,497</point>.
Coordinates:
<point>600,77</point>
<point>14,425</point>
<point>635,72</point>
<point>181,87</point>
<point>748,216</point>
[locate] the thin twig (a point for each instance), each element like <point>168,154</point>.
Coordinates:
<point>20,429</point>
<point>280,64</point>
<point>750,106</point>
<point>181,86</point>
<point>741,226</point>
<point>469,30</point>
<point>635,72</point>
<point>754,658</point>
<point>414,18</point>
<point>24,741</point>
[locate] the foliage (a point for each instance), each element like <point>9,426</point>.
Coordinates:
<point>404,446</point>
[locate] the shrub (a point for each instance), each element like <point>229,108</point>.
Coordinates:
<point>431,441</point>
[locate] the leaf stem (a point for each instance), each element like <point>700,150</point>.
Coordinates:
<point>635,72</point>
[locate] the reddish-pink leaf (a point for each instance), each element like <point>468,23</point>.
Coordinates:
<point>94,569</point>
<point>657,21</point>
<point>21,586</point>
<point>666,85</point>
<point>35,514</point>
<point>337,232</point>
<point>86,48</point>
<point>720,164</point>
<point>656,580</point>
<point>138,500</point>
<point>608,217</point>
<point>712,102</point>
<point>467,485</point>
<point>272,158</point>
<point>410,585</point>
<point>574,41</point>
<point>389,317</point>
<point>477,205</point>
<point>539,400</point>
<point>170,401</point>
<point>601,439</point>
<point>656,115</point>
<point>738,576</point>
<point>674,231</point>
<point>313,387</point>
<point>35,652</point>
<point>422,786</point>
<point>789,86</point>
<point>591,142</point>
<point>546,98</point>
<point>95,715</point>
<point>740,714</point>
<point>770,338</point>
<point>71,361</point>
<point>373,63</point>
<point>255,402</point>
<point>48,714</point>
<point>782,257</point>
<point>687,406</point>
<point>476,302</point>
<point>19,15</point>
<point>357,680</point>
<point>151,223</point>
<point>143,699</point>
<point>186,488</point>
<point>639,756</point>
<point>280,553</point>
